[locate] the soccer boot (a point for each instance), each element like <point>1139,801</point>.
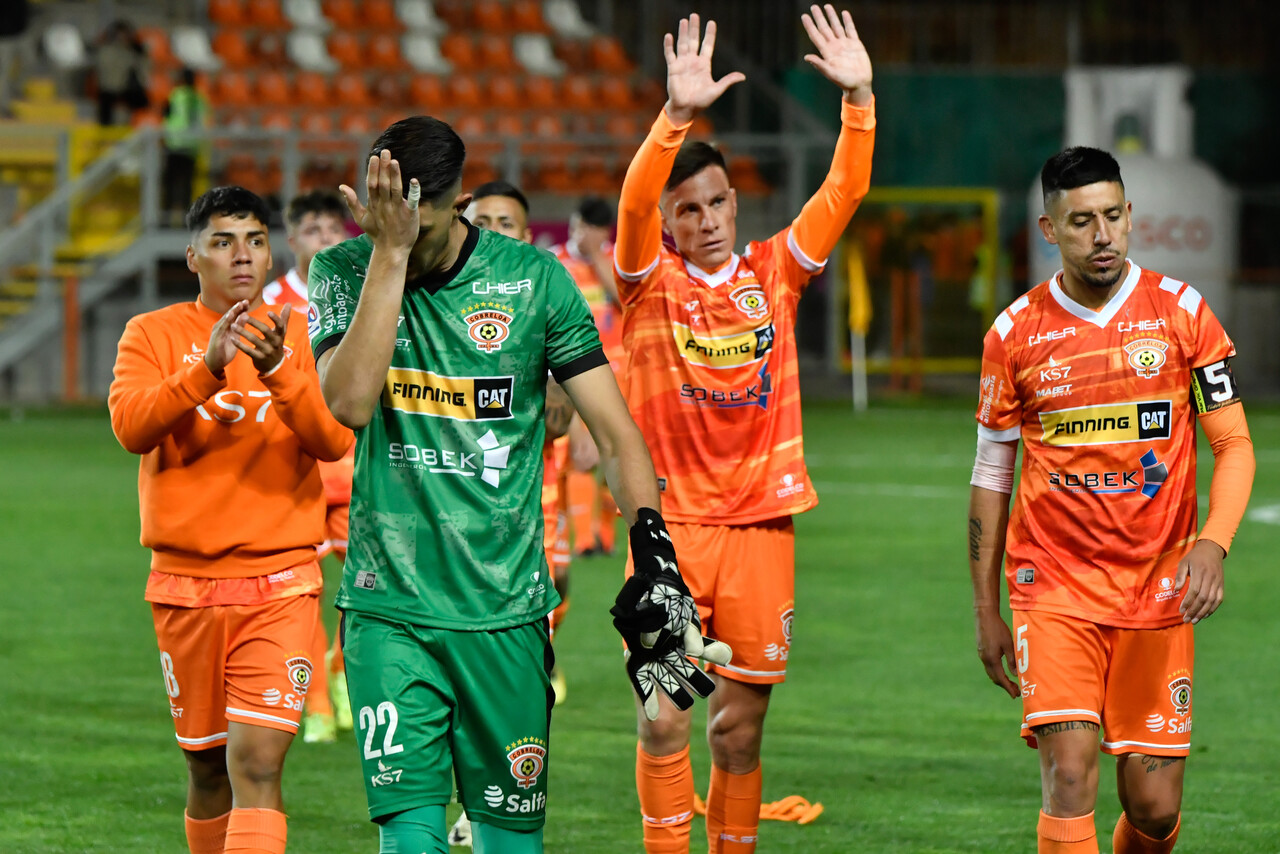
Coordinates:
<point>338,695</point>
<point>558,684</point>
<point>319,729</point>
<point>460,833</point>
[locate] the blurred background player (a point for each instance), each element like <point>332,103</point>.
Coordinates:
<point>1106,574</point>
<point>588,256</point>
<point>186,116</point>
<point>713,383</point>
<point>220,398</point>
<point>314,221</point>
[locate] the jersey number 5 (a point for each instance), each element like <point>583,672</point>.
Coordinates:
<point>1213,387</point>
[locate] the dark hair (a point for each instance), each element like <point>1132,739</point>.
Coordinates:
<point>227,201</point>
<point>1077,166</point>
<point>188,76</point>
<point>427,149</point>
<point>317,202</point>
<point>691,159</point>
<point>595,211</point>
<point>501,188</point>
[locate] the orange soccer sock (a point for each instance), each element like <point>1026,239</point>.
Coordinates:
<point>582,501</point>
<point>733,811</point>
<point>317,701</point>
<point>1127,839</point>
<point>1067,835</point>
<point>206,835</point>
<point>608,519</point>
<point>256,831</point>
<point>335,660</point>
<point>665,785</point>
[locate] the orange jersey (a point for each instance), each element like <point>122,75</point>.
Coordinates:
<point>712,378</point>
<point>227,486</point>
<point>1106,503</point>
<point>291,289</point>
<point>607,315</point>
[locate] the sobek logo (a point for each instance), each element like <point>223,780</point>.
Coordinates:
<point>1154,474</point>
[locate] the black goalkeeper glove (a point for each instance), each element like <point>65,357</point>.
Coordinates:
<point>658,620</point>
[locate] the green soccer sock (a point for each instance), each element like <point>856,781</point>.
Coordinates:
<point>415,831</point>
<point>488,839</point>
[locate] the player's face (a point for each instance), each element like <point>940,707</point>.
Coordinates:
<point>504,215</point>
<point>700,214</point>
<point>316,231</point>
<point>590,239</point>
<point>431,253</point>
<point>231,256</point>
<point>1090,226</point>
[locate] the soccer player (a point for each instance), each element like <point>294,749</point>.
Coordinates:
<point>435,338</point>
<point>588,256</point>
<point>220,398</point>
<point>314,221</point>
<point>712,381</point>
<point>1103,372</point>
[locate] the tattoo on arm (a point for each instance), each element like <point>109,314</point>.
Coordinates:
<point>1157,763</point>
<point>1064,726</point>
<point>975,538</point>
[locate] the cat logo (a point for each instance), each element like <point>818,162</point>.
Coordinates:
<point>1107,424</point>
<point>750,300</point>
<point>488,324</point>
<point>1146,355</point>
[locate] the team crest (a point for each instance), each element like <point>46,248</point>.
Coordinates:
<point>299,669</point>
<point>1146,355</point>
<point>1180,694</point>
<point>786,624</point>
<point>528,757</point>
<point>488,324</point>
<point>750,300</point>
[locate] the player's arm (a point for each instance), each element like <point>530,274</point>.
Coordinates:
<point>843,60</point>
<point>353,373</point>
<point>145,403</point>
<point>1221,416</point>
<point>991,485</point>
<point>690,89</point>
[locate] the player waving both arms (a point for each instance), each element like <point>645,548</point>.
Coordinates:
<point>713,384</point>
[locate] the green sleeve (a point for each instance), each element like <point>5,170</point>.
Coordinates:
<point>571,330</point>
<point>333,287</point>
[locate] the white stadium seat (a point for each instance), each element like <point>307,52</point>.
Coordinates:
<point>419,16</point>
<point>64,46</point>
<point>533,51</point>
<point>307,51</point>
<point>565,18</point>
<point>306,14</point>
<point>191,47</point>
<point>423,53</point>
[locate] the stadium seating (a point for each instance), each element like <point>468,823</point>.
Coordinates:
<point>422,52</point>
<point>534,52</point>
<point>307,50</point>
<point>565,18</point>
<point>156,42</point>
<point>64,46</point>
<point>191,47</point>
<point>306,14</point>
<point>420,16</point>
<point>232,47</point>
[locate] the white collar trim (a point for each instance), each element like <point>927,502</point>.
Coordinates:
<point>294,281</point>
<point>1109,311</point>
<point>718,278</point>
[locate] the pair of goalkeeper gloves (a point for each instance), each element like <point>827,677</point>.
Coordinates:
<point>658,620</point>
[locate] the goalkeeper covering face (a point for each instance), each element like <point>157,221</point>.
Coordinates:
<point>712,382</point>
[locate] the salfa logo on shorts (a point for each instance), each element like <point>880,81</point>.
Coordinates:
<point>528,757</point>
<point>1180,694</point>
<point>299,669</point>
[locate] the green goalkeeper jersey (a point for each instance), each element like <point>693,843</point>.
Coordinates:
<point>446,517</point>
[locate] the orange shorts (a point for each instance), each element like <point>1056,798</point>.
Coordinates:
<point>743,579</point>
<point>1134,683</point>
<point>336,517</point>
<point>245,663</point>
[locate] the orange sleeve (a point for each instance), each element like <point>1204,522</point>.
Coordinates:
<point>295,391</point>
<point>1233,467</point>
<point>639,223</point>
<point>146,404</point>
<point>824,217</point>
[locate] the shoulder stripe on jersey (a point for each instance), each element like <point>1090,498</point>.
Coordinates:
<point>802,259</point>
<point>1004,323</point>
<point>1171,285</point>
<point>635,277</point>
<point>1190,300</point>
<point>1019,304</point>
<point>1013,434</point>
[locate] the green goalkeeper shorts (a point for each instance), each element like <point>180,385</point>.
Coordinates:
<point>432,704</point>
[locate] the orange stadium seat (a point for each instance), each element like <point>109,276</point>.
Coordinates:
<point>232,89</point>
<point>476,172</point>
<point>389,118</point>
<point>345,48</point>
<point>231,45</point>
<point>156,41</point>
<point>311,89</point>
<point>470,125</point>
<point>269,49</point>
<point>265,14</point>
<point>455,13</point>
<point>463,93</point>
<point>651,94</point>
<point>526,17</point>
<point>624,128</point>
<point>277,120</point>
<point>272,177</point>
<point>357,123</point>
<point>426,90</point>
<point>745,176</point>
<point>577,93</point>
<point>387,89</point>
<point>502,93</point>
<point>146,119</point>
<point>701,128</point>
<point>381,15</point>
<point>273,89</point>
<point>349,90</point>
<point>615,93</point>
<point>159,85</point>
<point>460,50</point>
<point>594,176</point>
<point>489,15</point>
<point>557,178</point>
<point>344,13</point>
<point>242,170</point>
<point>383,51</point>
<point>228,13</point>
<point>540,92</point>
<point>495,53</point>
<point>316,123</point>
<point>571,53</point>
<point>509,125</point>
<point>606,54</point>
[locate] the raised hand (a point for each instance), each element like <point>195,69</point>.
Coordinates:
<point>690,86</point>
<point>841,56</point>
<point>390,219</point>
<point>266,350</point>
<point>222,339</point>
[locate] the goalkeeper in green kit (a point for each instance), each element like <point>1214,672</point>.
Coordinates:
<point>433,340</point>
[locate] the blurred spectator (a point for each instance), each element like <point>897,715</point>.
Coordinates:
<point>120,63</point>
<point>13,26</point>
<point>185,118</point>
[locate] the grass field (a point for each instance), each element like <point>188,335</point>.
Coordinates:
<point>888,718</point>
